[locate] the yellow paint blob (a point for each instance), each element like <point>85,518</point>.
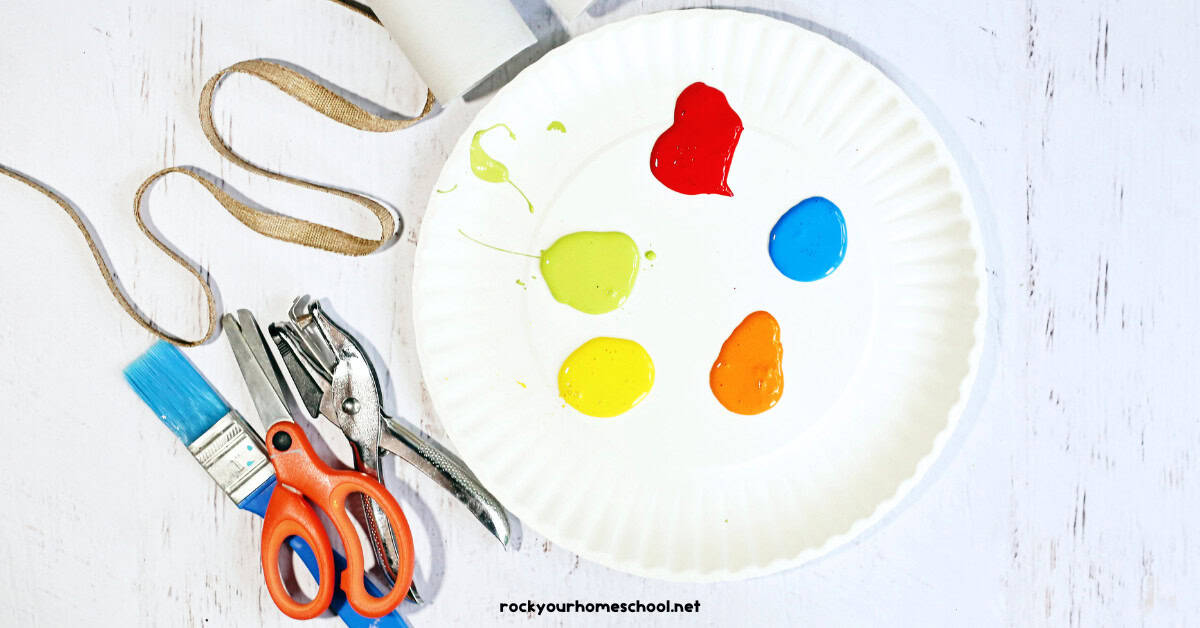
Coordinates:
<point>605,377</point>
<point>557,126</point>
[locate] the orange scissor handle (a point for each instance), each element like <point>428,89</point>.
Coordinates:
<point>299,469</point>
<point>289,515</point>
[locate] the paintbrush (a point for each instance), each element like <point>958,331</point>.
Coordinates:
<point>228,449</point>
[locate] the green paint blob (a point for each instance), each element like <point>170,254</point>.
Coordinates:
<point>452,188</point>
<point>489,169</point>
<point>557,126</point>
<point>591,271</point>
<point>651,255</point>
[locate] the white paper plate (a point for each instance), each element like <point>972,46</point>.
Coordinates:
<point>878,357</point>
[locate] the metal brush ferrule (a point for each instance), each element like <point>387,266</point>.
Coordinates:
<point>234,455</point>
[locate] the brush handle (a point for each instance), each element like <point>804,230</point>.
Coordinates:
<point>257,504</point>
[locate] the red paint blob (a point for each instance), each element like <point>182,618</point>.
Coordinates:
<point>693,156</point>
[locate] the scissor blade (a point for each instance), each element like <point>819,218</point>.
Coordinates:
<point>258,348</point>
<point>261,383</point>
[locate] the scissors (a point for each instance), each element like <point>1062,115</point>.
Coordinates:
<point>334,378</point>
<point>306,481</point>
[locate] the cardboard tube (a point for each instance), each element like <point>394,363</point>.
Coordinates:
<point>454,44</point>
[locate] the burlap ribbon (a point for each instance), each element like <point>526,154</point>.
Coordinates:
<point>272,225</point>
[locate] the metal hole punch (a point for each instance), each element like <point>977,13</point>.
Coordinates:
<point>334,379</point>
<point>306,483</point>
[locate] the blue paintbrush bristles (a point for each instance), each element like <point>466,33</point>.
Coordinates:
<point>175,391</point>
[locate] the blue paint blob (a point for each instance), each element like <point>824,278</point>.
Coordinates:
<point>809,240</point>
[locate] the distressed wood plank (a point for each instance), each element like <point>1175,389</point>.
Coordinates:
<point>1067,499</point>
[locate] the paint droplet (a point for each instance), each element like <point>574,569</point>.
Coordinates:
<point>487,168</point>
<point>522,384</point>
<point>605,377</point>
<point>452,188</point>
<point>808,242</point>
<point>694,154</point>
<point>557,126</point>
<point>651,255</point>
<point>747,377</point>
<point>520,283</point>
<point>591,271</point>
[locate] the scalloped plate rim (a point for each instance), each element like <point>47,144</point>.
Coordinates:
<point>980,336</point>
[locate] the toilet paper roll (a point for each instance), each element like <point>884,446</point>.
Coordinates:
<point>453,44</point>
<point>569,9</point>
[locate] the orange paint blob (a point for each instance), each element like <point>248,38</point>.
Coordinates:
<point>747,377</point>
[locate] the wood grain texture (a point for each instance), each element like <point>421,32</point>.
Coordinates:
<point>1068,497</point>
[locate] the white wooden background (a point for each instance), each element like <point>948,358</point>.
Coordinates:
<point>1068,498</point>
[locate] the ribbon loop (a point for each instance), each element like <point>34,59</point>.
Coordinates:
<point>110,278</point>
<point>275,226</point>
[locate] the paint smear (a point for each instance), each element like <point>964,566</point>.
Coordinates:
<point>489,169</point>
<point>557,126</point>
<point>605,377</point>
<point>591,271</point>
<point>452,188</point>
<point>693,155</point>
<point>809,240</point>
<point>494,247</point>
<point>747,377</point>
